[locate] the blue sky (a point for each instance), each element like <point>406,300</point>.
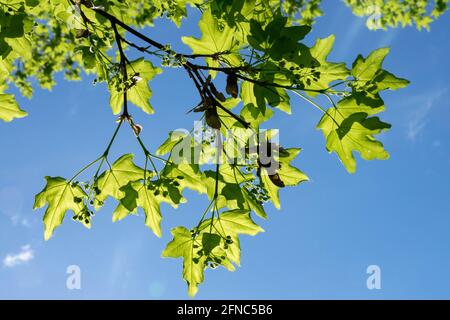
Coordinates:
<point>394,214</point>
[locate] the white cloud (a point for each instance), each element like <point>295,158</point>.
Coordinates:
<point>418,121</point>
<point>20,221</point>
<point>26,254</point>
<point>419,117</point>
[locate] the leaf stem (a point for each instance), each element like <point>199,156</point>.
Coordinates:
<point>105,154</point>
<point>204,214</point>
<point>85,168</point>
<point>319,107</point>
<point>310,101</point>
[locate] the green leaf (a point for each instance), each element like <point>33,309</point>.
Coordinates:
<point>189,176</point>
<point>139,74</point>
<point>272,190</point>
<point>230,173</point>
<point>129,201</point>
<point>254,204</point>
<point>142,197</point>
<point>198,249</point>
<point>61,196</point>
<point>276,39</point>
<point>255,110</point>
<point>182,246</point>
<point>231,224</point>
<point>174,138</point>
<point>9,109</point>
<point>229,194</point>
<point>288,174</point>
<point>225,118</point>
<point>121,173</point>
<point>216,38</point>
<point>371,77</point>
<point>347,128</point>
<point>148,202</point>
<point>20,46</point>
<point>381,14</point>
<point>327,71</point>
<point>235,222</point>
<point>210,241</point>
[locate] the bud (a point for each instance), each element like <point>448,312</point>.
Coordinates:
<point>136,78</point>
<point>137,128</point>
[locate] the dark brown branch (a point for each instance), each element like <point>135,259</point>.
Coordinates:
<point>195,66</point>
<point>216,102</point>
<point>134,32</point>
<point>212,55</point>
<point>221,69</point>
<point>192,69</point>
<point>272,84</point>
<point>197,85</point>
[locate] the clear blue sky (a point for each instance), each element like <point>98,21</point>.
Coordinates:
<point>394,214</point>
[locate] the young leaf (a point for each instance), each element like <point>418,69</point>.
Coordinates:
<point>188,175</point>
<point>254,204</point>
<point>61,196</point>
<point>215,40</point>
<point>287,175</point>
<point>138,90</point>
<point>122,172</point>
<point>255,109</point>
<point>353,133</point>
<point>290,175</point>
<point>140,196</point>
<point>209,242</point>
<point>230,224</point>
<point>174,138</point>
<point>182,246</point>
<point>235,222</point>
<point>371,77</point>
<point>327,71</point>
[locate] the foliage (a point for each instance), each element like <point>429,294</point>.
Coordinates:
<point>257,47</point>
<point>391,13</point>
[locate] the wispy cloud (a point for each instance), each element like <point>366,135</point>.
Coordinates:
<point>418,121</point>
<point>26,254</point>
<point>388,38</point>
<point>18,220</point>
<point>419,117</point>
<point>352,34</point>
<point>11,205</point>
